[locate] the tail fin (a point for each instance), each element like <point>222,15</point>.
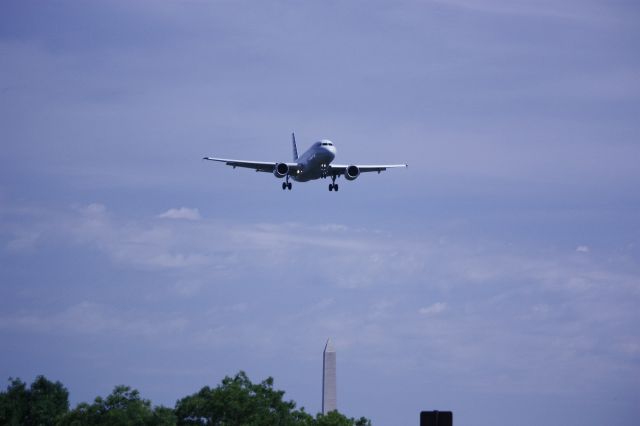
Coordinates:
<point>295,148</point>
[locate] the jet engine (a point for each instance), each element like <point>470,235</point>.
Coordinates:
<point>351,172</point>
<point>281,170</point>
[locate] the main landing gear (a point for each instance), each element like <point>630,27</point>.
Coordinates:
<point>287,184</point>
<point>333,186</point>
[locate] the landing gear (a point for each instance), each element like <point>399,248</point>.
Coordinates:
<point>287,184</point>
<point>333,186</point>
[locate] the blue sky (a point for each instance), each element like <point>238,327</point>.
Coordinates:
<point>498,276</point>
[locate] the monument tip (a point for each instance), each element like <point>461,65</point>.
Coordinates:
<point>329,346</point>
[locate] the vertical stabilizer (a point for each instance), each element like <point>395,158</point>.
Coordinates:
<point>295,148</point>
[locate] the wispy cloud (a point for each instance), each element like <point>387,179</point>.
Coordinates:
<point>588,11</point>
<point>181,213</point>
<point>89,318</point>
<point>511,310</point>
<point>143,246</point>
<point>434,309</point>
<point>23,242</point>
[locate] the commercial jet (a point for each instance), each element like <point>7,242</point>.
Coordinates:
<point>315,163</point>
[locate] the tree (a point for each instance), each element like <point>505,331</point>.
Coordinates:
<point>14,403</point>
<point>48,401</point>
<point>238,401</point>
<point>334,418</point>
<point>40,405</point>
<point>123,406</point>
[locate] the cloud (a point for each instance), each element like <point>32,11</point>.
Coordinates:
<point>585,11</point>
<point>137,244</point>
<point>181,213</point>
<point>583,249</point>
<point>187,288</point>
<point>434,309</point>
<point>95,209</point>
<point>24,242</point>
<point>515,308</point>
<point>89,318</point>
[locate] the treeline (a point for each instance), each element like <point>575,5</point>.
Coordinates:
<point>234,402</point>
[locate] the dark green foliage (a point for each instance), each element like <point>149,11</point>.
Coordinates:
<point>362,421</point>
<point>14,403</point>
<point>40,405</point>
<point>236,401</point>
<point>163,416</point>
<point>334,418</point>
<point>123,406</point>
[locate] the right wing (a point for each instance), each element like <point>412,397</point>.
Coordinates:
<point>340,169</point>
<point>258,166</point>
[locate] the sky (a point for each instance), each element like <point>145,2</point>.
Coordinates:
<point>497,277</point>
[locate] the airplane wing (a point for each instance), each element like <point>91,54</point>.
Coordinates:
<point>258,166</point>
<point>340,169</point>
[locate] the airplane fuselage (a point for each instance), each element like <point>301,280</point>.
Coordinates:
<point>315,161</point>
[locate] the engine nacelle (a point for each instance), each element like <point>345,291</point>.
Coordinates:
<point>280,170</point>
<point>351,172</point>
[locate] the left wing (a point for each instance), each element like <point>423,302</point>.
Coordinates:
<point>340,169</point>
<point>258,166</point>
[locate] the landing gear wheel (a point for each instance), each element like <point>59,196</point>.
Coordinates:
<point>284,185</point>
<point>289,185</point>
<point>333,186</point>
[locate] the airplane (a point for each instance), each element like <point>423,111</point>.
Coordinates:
<point>315,163</point>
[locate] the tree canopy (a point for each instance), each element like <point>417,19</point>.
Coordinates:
<point>238,401</point>
<point>42,404</point>
<point>235,401</point>
<point>123,406</point>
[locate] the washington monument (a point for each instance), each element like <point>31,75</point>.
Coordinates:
<point>329,378</point>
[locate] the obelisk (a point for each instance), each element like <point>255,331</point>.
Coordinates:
<point>329,378</point>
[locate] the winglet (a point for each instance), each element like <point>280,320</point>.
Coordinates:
<point>295,148</point>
